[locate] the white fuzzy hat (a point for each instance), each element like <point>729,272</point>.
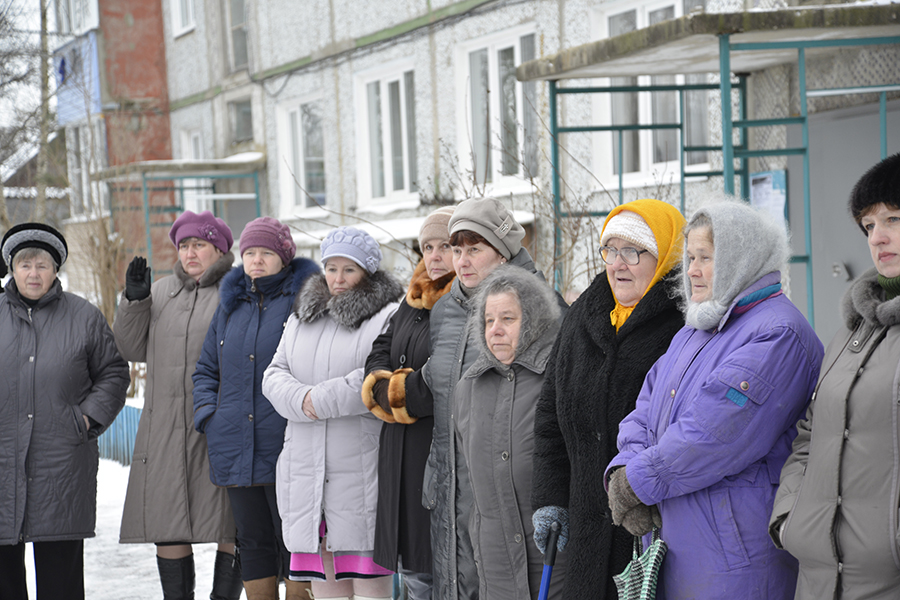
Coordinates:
<point>631,227</point>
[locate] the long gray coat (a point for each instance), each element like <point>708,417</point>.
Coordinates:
<point>329,465</point>
<point>170,497</point>
<point>58,361</point>
<point>446,490</point>
<point>840,488</point>
<point>495,431</point>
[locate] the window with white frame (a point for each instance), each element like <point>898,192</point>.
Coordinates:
<point>386,119</point>
<point>196,191</point>
<point>183,16</point>
<point>76,16</point>
<point>307,145</point>
<point>500,136</point>
<point>655,150</point>
<point>237,34</point>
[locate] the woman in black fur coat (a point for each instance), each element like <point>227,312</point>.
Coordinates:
<point>610,338</point>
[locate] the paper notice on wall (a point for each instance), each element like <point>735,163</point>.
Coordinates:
<point>768,192</point>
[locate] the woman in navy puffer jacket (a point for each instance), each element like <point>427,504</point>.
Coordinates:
<point>244,433</point>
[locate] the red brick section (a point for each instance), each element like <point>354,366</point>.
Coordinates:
<point>133,80</point>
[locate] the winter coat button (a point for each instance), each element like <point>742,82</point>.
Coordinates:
<point>504,455</point>
<point>846,434</point>
<point>402,359</point>
<point>222,343</point>
<point>518,538</point>
<point>839,501</point>
<point>30,359</point>
<point>856,342</point>
<point>673,392</point>
<point>745,386</point>
<point>840,567</point>
<point>251,357</point>
<point>250,418</point>
<point>510,376</point>
<point>30,416</point>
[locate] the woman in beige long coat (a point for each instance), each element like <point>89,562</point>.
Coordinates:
<point>170,500</point>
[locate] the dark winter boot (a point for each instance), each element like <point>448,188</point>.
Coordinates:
<point>177,577</point>
<point>227,583</point>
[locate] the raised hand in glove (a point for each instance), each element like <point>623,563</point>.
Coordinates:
<point>137,279</point>
<point>542,519</point>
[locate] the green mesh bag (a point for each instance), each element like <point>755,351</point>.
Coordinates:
<point>638,580</point>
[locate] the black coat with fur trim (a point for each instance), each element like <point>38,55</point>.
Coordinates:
<point>402,523</point>
<point>592,381</point>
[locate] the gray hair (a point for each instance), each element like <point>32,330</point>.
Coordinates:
<point>540,311</point>
<point>32,253</point>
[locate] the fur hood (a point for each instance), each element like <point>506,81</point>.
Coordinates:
<point>423,291</point>
<point>211,276</point>
<point>540,319</point>
<point>352,308</point>
<point>864,301</point>
<point>236,285</point>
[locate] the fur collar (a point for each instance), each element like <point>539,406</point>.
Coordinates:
<point>352,308</point>
<point>236,286</point>
<point>423,291</point>
<point>864,301</point>
<point>211,276</point>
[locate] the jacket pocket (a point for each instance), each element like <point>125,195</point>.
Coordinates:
<point>733,550</point>
<point>81,429</point>
<point>736,395</point>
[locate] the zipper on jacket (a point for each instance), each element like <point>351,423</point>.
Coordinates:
<point>29,315</point>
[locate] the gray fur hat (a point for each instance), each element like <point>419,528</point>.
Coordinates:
<point>747,244</point>
<point>490,219</point>
<point>540,311</point>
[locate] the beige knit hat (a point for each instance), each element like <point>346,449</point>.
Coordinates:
<point>491,220</point>
<point>436,225</point>
<point>631,227</point>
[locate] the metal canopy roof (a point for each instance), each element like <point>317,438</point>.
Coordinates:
<point>245,163</point>
<point>690,44</point>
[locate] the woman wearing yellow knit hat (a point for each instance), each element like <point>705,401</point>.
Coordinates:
<point>610,338</point>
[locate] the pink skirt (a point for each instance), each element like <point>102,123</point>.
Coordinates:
<point>310,566</point>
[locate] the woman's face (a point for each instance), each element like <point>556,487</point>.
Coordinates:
<point>438,257</point>
<point>630,282</point>
<point>700,262</point>
<point>474,263</point>
<point>261,262</point>
<point>34,276</point>
<point>502,324</point>
<point>882,225</point>
<point>197,256</point>
<point>342,274</point>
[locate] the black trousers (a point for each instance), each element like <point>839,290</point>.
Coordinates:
<point>58,566</point>
<point>259,532</point>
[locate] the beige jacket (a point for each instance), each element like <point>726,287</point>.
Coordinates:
<point>170,497</point>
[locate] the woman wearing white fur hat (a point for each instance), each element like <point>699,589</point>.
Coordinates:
<point>327,473</point>
<point>713,424</point>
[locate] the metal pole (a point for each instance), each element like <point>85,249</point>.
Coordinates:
<point>807,213</point>
<point>147,220</point>
<point>882,113</point>
<point>725,87</point>
<point>683,144</point>
<point>554,178</point>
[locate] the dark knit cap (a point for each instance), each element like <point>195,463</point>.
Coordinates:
<point>34,235</point>
<point>266,232</point>
<point>204,226</point>
<point>879,185</point>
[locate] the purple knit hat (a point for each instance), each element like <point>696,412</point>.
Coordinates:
<point>204,226</point>
<point>266,232</point>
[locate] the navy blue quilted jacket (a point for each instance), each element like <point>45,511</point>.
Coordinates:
<point>244,433</point>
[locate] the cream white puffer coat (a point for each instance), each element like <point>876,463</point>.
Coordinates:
<point>329,466</point>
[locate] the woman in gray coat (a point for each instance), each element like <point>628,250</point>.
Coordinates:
<point>170,500</point>
<point>63,383</point>
<point>836,509</point>
<point>514,323</point>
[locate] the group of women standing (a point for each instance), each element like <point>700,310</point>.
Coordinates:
<point>322,433</point>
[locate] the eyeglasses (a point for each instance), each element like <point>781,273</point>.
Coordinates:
<point>630,256</point>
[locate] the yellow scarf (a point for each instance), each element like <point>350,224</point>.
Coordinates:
<point>666,223</point>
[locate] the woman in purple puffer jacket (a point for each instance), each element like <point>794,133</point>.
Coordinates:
<point>713,424</point>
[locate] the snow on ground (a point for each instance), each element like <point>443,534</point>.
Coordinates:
<point>114,571</point>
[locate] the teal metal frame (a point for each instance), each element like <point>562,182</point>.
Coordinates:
<point>730,151</point>
<point>148,210</point>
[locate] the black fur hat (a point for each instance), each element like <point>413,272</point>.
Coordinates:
<point>880,185</point>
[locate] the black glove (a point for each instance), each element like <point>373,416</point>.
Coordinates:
<point>137,279</point>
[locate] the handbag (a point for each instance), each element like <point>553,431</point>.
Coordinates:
<point>638,580</point>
